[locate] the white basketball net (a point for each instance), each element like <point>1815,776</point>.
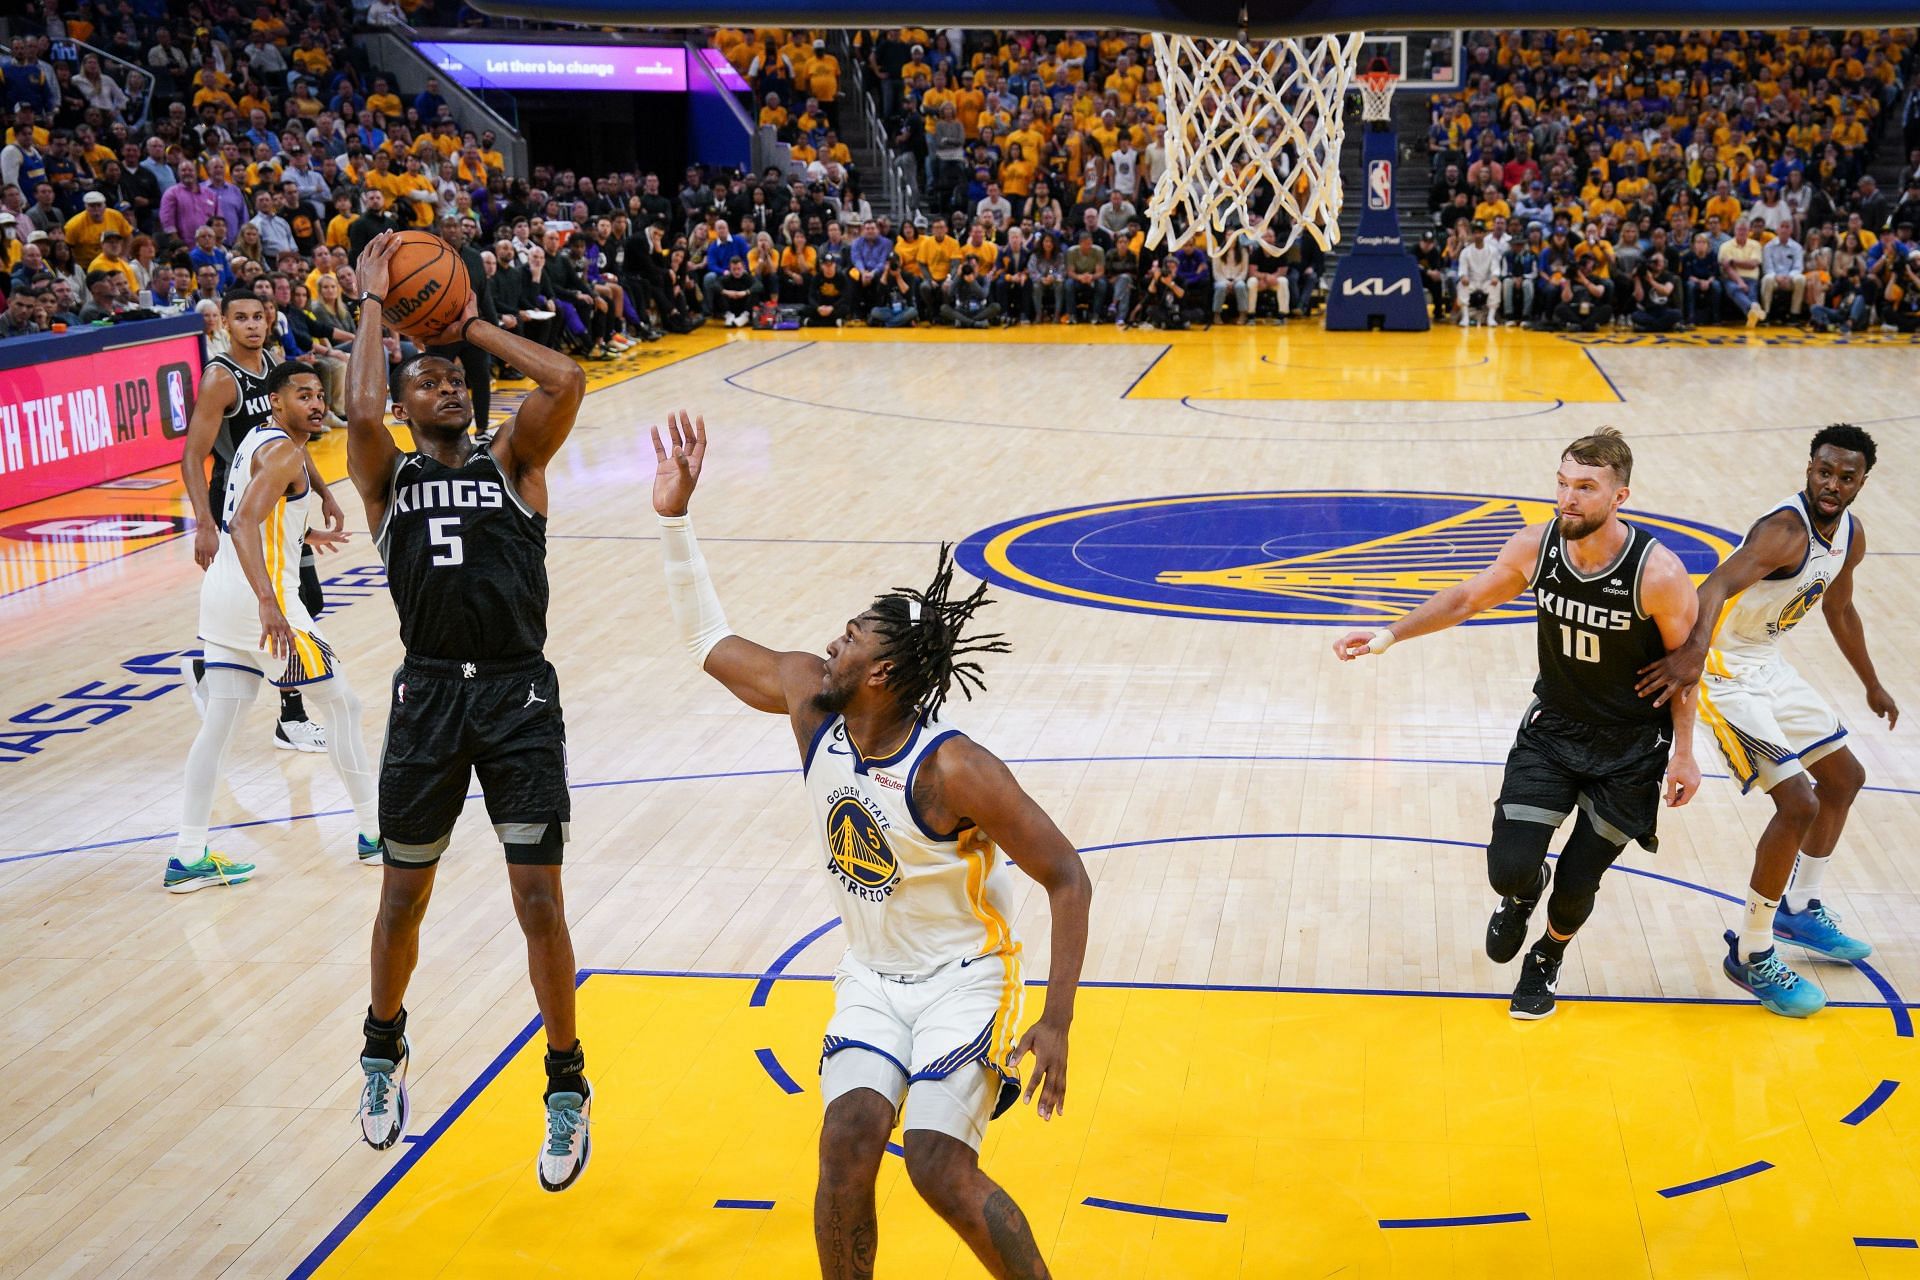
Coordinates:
<point>1253,134</point>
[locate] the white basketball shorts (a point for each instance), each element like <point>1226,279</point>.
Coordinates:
<point>1768,723</point>
<point>938,1049</point>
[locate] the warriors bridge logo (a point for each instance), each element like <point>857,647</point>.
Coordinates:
<point>1306,556</point>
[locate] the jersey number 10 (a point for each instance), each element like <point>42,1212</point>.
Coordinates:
<point>1574,643</point>
<point>444,533</point>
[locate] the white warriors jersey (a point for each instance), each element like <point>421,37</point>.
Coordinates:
<point>1753,621</point>
<point>229,613</point>
<point>913,899</point>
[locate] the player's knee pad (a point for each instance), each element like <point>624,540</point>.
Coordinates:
<point>1515,854</point>
<point>533,844</point>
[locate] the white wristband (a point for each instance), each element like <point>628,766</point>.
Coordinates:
<point>696,608</point>
<point>1381,642</point>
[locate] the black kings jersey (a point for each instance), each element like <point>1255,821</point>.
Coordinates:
<point>1594,636</point>
<point>466,560</point>
<point>251,408</point>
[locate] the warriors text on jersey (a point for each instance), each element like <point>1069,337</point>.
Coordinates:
<point>912,899</point>
<point>229,613</point>
<point>1754,620</point>
<point>252,407</point>
<point>466,559</point>
<point>1594,635</point>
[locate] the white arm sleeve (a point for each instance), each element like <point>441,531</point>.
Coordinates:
<point>696,609</point>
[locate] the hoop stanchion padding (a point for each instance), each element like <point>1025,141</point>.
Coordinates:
<point>1253,137</point>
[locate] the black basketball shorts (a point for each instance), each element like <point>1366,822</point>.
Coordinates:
<point>1559,764</point>
<point>452,720</point>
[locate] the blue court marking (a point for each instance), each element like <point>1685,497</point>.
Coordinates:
<point>895,1149</point>
<point>1151,366</point>
<point>1716,1180</point>
<point>1886,1242</point>
<point>1154,1210</point>
<point>1225,758</point>
<point>743,1204</point>
<point>1468,1220</point>
<point>764,987</point>
<point>1187,402</point>
<point>771,1065</point>
<point>1872,1102</point>
<point>356,1215</point>
<point>1601,370</point>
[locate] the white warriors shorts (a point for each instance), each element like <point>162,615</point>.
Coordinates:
<point>938,1048</point>
<point>1767,721</point>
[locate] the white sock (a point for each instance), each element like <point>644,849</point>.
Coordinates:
<point>346,751</point>
<point>1756,934</point>
<point>1808,872</point>
<point>229,694</point>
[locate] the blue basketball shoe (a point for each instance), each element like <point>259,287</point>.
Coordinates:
<point>1818,930</point>
<point>1771,982</point>
<point>371,852</point>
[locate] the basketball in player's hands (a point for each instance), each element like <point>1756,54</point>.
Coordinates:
<point>427,286</point>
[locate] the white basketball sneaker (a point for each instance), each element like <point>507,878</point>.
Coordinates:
<point>383,1100</point>
<point>299,735</point>
<point>568,1146</point>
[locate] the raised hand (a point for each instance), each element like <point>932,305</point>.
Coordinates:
<point>677,471</point>
<point>372,268</point>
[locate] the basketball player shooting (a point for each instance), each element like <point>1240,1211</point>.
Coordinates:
<point>462,526</point>
<point>1608,600</point>
<point>1771,726</point>
<point>254,625</point>
<point>927,1000</point>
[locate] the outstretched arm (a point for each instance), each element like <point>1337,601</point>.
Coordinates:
<point>218,391</point>
<point>760,677</point>
<point>1667,594</point>
<point>971,784</point>
<point>371,453</point>
<point>275,468</point>
<point>1496,584</point>
<point>1843,620</point>
<point>1778,542</point>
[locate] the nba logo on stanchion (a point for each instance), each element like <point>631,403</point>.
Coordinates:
<point>1380,184</point>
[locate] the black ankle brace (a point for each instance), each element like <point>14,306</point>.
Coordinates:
<point>384,1038</point>
<point>567,1071</point>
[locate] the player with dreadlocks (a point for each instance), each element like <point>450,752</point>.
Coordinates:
<point>927,1001</point>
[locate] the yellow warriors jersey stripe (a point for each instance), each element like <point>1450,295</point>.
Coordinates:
<point>1730,745</point>
<point>999,938</point>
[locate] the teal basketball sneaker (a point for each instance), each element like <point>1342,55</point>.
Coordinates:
<point>1771,982</point>
<point>1818,930</point>
<point>185,877</point>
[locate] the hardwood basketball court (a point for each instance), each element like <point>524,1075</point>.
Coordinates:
<point>1293,1055</point>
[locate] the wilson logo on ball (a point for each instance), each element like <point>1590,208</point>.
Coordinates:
<point>407,306</point>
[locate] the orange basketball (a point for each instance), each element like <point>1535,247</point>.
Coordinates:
<point>427,286</point>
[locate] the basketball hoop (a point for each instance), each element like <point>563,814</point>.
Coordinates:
<point>1376,93</point>
<point>1253,136</point>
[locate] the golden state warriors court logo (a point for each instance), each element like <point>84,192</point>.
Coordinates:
<point>1304,556</point>
<point>857,851</point>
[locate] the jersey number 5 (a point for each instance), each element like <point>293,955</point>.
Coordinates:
<point>444,533</point>
<point>1574,643</point>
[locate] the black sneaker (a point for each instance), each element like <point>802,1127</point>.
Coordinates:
<point>1507,927</point>
<point>1533,994</point>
